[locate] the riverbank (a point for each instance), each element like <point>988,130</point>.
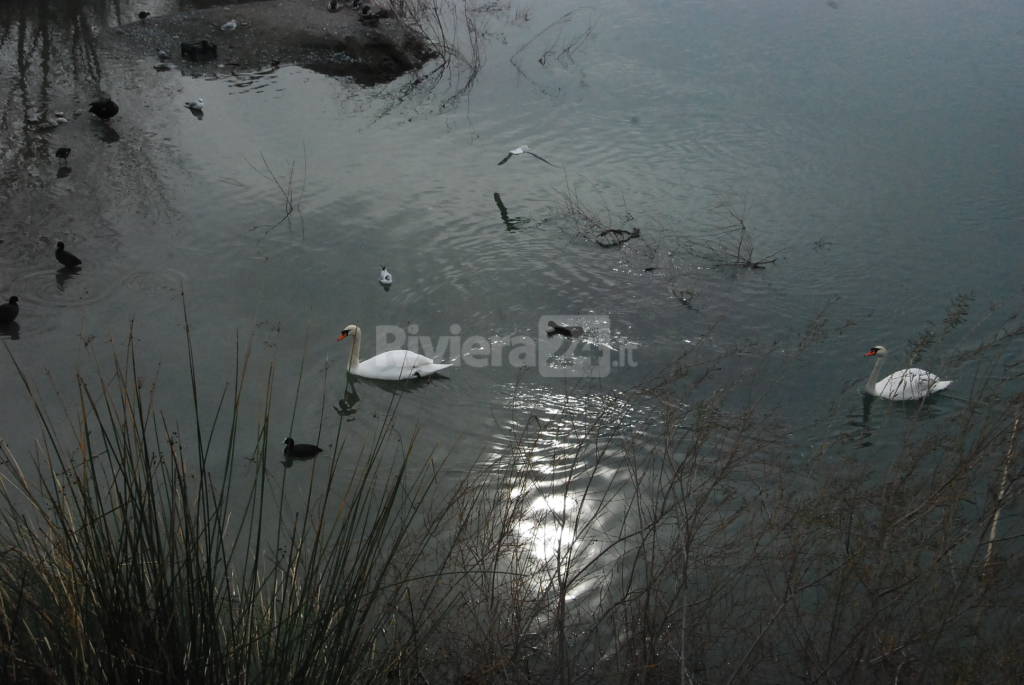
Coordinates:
<point>290,32</point>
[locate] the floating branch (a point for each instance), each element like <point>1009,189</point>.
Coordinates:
<point>288,192</point>
<point>724,254</point>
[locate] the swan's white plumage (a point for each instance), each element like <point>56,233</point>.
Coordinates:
<point>902,385</point>
<point>397,365</point>
<point>393,365</point>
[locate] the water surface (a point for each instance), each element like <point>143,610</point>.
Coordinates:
<point>871,149</point>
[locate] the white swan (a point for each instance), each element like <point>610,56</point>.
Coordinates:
<point>394,365</point>
<point>902,385</point>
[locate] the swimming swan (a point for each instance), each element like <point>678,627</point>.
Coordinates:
<point>902,385</point>
<point>394,365</point>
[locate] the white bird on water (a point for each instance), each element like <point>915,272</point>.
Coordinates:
<point>902,385</point>
<point>385,276</point>
<point>196,106</point>
<point>230,25</point>
<point>394,365</point>
<point>523,149</point>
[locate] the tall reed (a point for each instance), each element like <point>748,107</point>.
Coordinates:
<point>688,538</point>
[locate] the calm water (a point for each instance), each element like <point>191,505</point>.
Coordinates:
<point>873,148</point>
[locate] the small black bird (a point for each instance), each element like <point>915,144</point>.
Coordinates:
<point>334,5</point>
<point>69,260</point>
<point>104,109</point>
<point>9,311</point>
<point>300,451</point>
<point>142,15</point>
<point>62,154</point>
<point>567,331</point>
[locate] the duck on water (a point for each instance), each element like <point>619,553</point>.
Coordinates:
<point>104,108</point>
<point>9,310</point>
<point>67,260</point>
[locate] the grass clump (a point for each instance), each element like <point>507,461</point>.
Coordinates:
<point>131,558</point>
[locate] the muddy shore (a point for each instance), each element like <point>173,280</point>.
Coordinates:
<point>299,32</point>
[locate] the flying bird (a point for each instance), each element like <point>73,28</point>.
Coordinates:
<point>523,149</point>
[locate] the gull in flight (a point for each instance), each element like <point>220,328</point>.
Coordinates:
<point>523,149</point>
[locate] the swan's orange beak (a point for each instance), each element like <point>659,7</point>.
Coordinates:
<point>870,353</point>
<point>343,335</point>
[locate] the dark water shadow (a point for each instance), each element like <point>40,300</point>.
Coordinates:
<point>290,460</point>
<point>48,48</point>
<point>346,406</point>
<point>929,408</point>
<point>512,223</point>
<point>63,172</point>
<point>65,274</point>
<point>106,133</point>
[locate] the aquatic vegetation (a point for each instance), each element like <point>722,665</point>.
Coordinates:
<point>678,534</point>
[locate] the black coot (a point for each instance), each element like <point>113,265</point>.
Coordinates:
<point>9,311</point>
<point>69,260</point>
<point>300,451</point>
<point>104,109</point>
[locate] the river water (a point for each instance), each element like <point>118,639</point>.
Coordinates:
<point>871,150</point>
